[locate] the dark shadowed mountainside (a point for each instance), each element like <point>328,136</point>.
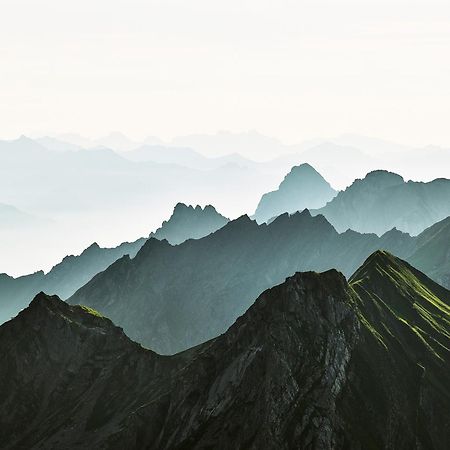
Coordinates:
<point>315,363</point>
<point>302,188</point>
<point>383,200</point>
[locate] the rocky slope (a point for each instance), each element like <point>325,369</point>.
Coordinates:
<point>383,200</point>
<point>170,298</point>
<point>188,222</point>
<point>315,363</point>
<point>302,188</point>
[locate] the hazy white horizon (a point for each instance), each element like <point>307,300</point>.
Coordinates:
<point>293,70</point>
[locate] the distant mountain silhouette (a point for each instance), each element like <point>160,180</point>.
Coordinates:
<point>383,200</point>
<point>98,186</point>
<point>73,272</point>
<point>172,297</point>
<point>187,157</point>
<point>315,362</point>
<point>303,187</point>
<point>188,222</point>
<point>64,278</point>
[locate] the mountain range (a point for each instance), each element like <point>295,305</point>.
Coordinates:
<point>74,186</point>
<point>383,200</point>
<point>170,298</point>
<point>186,222</point>
<point>84,191</point>
<point>64,278</point>
<point>316,362</point>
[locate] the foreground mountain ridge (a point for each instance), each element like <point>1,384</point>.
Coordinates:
<point>315,362</point>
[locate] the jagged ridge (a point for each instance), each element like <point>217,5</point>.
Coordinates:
<point>314,363</point>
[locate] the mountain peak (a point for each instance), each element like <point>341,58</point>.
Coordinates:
<point>183,208</point>
<point>385,177</point>
<point>387,276</point>
<point>303,170</point>
<point>42,299</point>
<point>180,206</point>
<point>188,222</point>
<point>44,306</point>
<point>302,188</point>
<point>379,261</point>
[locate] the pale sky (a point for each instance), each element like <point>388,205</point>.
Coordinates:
<point>292,69</point>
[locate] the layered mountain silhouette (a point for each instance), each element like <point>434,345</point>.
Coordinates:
<point>303,187</point>
<point>64,278</point>
<point>170,298</point>
<point>98,187</point>
<point>188,222</point>
<point>73,272</point>
<point>316,363</point>
<point>383,200</point>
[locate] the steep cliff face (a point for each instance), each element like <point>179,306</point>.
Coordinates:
<point>315,363</point>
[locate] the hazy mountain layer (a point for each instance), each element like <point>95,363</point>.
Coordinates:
<point>64,278</point>
<point>314,363</point>
<point>172,297</point>
<point>73,272</point>
<point>303,187</point>
<point>383,200</point>
<point>188,222</point>
<point>99,187</point>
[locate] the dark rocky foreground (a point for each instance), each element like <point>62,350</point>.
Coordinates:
<point>315,363</point>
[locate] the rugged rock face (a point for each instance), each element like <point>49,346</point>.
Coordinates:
<point>188,222</point>
<point>302,188</point>
<point>172,298</point>
<point>314,363</point>
<point>383,200</point>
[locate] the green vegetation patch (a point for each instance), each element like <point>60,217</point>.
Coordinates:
<point>91,311</point>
